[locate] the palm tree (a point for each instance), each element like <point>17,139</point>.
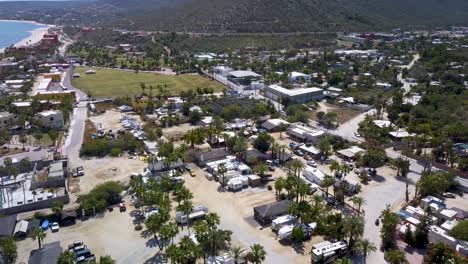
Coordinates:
<point>335,166</point>
<point>240,146</point>
<point>358,201</point>
<point>279,186</point>
<point>327,182</point>
<point>396,257</point>
<point>237,252</point>
<point>222,170</point>
<point>261,169</point>
<point>354,228</point>
<point>365,246</point>
<point>106,260</point>
<point>343,261</point>
<point>66,257</point>
<point>186,207</point>
<point>258,253</point>
<point>57,208</point>
<point>38,234</point>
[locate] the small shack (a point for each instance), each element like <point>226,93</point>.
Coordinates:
<point>264,214</point>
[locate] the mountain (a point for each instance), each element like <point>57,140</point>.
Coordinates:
<point>289,15</point>
<point>258,15</point>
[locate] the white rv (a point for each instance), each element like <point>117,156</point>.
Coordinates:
<point>281,221</point>
<point>235,184</point>
<point>313,175</point>
<point>328,252</point>
<point>286,231</point>
<point>198,212</point>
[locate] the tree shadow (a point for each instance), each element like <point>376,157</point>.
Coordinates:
<point>152,242</point>
<point>159,258</point>
<point>378,178</point>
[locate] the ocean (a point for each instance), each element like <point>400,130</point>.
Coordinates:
<point>12,32</point>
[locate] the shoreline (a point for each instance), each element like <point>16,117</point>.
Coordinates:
<point>35,35</point>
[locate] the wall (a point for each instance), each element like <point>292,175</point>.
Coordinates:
<point>34,206</point>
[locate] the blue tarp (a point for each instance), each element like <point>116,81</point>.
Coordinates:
<point>45,225</point>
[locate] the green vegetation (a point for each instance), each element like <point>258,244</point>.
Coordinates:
<point>115,83</point>
<point>460,231</point>
<point>100,197</point>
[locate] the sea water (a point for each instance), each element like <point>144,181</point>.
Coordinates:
<point>12,32</point>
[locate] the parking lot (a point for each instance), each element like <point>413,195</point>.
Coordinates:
<point>236,212</point>
<point>111,233</point>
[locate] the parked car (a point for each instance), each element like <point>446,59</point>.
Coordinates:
<point>312,163</point>
<point>75,244</point>
<point>81,173</point>
<point>187,167</point>
<point>54,227</point>
<point>79,168</point>
<point>448,195</point>
<point>192,174</point>
<point>299,153</point>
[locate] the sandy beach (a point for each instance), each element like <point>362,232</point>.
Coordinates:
<point>36,35</point>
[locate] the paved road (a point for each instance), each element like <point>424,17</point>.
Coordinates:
<point>75,136</point>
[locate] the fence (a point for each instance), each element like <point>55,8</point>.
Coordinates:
<point>65,199</point>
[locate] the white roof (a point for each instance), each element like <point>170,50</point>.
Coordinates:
<point>449,225</point>
<point>310,149</point>
<point>400,134</point>
<point>243,74</point>
<point>44,84</point>
<point>14,81</point>
<point>21,226</point>
<point>382,123</point>
<point>22,104</point>
<point>350,152</point>
<point>49,113</point>
<point>295,74</point>
<point>272,123</point>
<point>294,92</point>
<point>448,213</point>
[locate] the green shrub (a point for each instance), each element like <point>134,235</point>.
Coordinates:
<point>101,196</point>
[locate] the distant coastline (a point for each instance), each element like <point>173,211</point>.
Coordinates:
<point>35,35</point>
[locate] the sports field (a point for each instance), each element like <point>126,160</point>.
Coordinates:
<point>107,83</point>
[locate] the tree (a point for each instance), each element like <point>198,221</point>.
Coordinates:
<point>8,250</point>
<point>186,207</point>
<point>395,257</point>
<point>279,186</point>
<point>261,168</point>
<point>237,252</point>
<point>263,142</point>
<point>38,234</point>
<point>353,228</point>
<point>222,170</point>
<point>66,257</point>
<point>57,207</point>
<point>440,253</point>
<point>358,202</point>
<point>324,145</point>
<point>169,231</point>
<point>343,261</point>
<point>434,183</point>
<point>258,253</point>
<point>388,229</point>
<point>106,260</point>
<point>23,140</point>
<point>460,231</point>
<point>327,182</point>
<point>422,231</point>
<point>53,135</point>
<point>365,246</point>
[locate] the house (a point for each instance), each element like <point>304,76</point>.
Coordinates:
<point>383,123</point>
<point>310,150</point>
<point>294,96</point>
<point>350,153</point>
<point>49,253</point>
<point>44,85</point>
<point>273,125</point>
<point>247,79</point>
<point>7,225</point>
<point>264,214</point>
<point>203,158</point>
<point>162,166</point>
<point>301,132</point>
<point>7,120</point>
<point>51,119</point>
<point>151,147</point>
<point>298,76</point>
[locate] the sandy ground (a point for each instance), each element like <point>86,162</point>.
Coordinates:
<point>111,233</point>
<point>236,212</point>
<point>36,36</point>
<point>459,202</point>
<point>177,132</point>
<point>111,119</point>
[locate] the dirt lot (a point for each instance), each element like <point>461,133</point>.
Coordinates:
<point>236,212</point>
<point>344,113</point>
<point>109,234</point>
<point>177,132</point>
<point>111,119</point>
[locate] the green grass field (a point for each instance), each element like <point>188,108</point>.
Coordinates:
<point>108,83</point>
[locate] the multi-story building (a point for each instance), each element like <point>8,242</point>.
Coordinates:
<point>51,119</point>
<point>295,96</point>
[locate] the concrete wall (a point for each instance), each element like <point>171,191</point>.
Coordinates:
<point>34,206</point>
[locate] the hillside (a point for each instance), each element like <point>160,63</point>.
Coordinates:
<point>258,15</point>
<point>289,15</point>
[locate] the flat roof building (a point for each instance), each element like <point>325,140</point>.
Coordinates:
<point>298,96</point>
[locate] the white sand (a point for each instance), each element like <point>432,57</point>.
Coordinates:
<point>36,35</point>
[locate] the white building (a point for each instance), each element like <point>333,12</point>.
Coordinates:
<point>298,96</point>
<point>297,76</point>
<point>51,119</point>
<point>304,133</point>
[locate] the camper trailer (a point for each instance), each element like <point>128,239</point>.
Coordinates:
<point>281,221</point>
<point>198,212</point>
<point>328,253</point>
<point>286,231</point>
<point>235,184</point>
